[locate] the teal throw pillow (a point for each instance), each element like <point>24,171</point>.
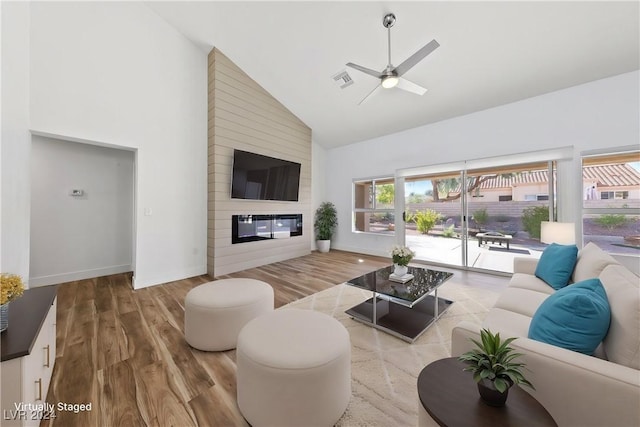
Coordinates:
<point>576,317</point>
<point>556,264</point>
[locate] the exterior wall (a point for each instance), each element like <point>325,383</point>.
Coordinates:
<point>491,195</point>
<point>452,209</point>
<point>242,115</point>
<point>520,191</point>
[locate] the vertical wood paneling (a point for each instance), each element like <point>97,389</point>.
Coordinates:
<point>242,115</point>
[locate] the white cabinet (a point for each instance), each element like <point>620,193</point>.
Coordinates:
<point>25,379</point>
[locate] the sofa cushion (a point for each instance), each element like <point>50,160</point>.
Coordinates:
<point>622,343</point>
<point>591,261</point>
<point>508,323</point>
<point>576,317</point>
<point>556,264</point>
<point>531,282</point>
<point>521,301</point>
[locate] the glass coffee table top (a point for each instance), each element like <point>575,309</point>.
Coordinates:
<point>404,310</point>
<point>423,283</point>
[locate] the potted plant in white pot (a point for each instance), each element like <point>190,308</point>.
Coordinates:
<point>325,223</point>
<point>494,367</point>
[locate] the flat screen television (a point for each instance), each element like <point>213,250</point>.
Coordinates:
<point>259,177</point>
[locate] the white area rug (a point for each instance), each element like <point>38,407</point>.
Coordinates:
<point>384,368</point>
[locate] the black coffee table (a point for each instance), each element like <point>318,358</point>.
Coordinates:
<point>404,310</point>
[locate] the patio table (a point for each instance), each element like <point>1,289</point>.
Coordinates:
<point>493,238</point>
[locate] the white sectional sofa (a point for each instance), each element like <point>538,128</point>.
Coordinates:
<point>576,389</point>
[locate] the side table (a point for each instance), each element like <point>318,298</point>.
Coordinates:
<point>450,396</point>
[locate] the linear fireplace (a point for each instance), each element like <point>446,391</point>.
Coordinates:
<point>251,228</point>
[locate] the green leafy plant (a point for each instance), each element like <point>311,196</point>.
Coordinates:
<point>611,221</point>
<point>494,360</point>
<point>481,217</point>
<point>325,221</point>
<point>426,220</point>
<point>409,217</point>
<point>449,231</point>
<point>532,217</point>
<point>385,194</point>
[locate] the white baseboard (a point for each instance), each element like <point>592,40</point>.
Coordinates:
<point>78,275</point>
<point>360,250</point>
<point>140,281</point>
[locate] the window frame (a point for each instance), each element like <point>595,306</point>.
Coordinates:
<point>374,182</point>
<point>586,158</point>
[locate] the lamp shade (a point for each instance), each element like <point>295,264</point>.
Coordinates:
<point>562,233</point>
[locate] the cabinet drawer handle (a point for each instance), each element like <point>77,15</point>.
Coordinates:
<point>46,365</point>
<point>39,382</point>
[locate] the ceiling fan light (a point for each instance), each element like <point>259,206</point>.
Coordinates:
<point>389,82</point>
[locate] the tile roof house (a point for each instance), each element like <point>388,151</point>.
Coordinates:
<point>612,181</point>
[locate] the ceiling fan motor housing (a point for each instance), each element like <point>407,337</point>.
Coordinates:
<point>388,20</point>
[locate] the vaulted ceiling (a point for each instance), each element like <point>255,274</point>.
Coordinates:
<point>491,53</point>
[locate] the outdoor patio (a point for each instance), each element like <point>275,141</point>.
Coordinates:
<point>448,251</point>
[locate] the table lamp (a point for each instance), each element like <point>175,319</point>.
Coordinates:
<point>562,233</point>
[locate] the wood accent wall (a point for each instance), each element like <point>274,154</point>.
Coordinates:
<point>242,115</point>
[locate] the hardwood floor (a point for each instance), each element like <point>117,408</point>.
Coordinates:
<point>124,352</point>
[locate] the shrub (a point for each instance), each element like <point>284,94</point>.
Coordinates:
<point>449,232</point>
<point>426,220</point>
<point>409,217</point>
<point>481,217</point>
<point>532,217</point>
<point>611,221</point>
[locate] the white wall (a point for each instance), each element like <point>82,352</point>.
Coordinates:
<point>117,74</point>
<point>600,114</point>
<point>78,237</point>
<point>15,146</point>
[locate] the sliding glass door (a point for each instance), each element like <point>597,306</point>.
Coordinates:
<point>478,217</point>
<point>433,217</point>
<point>505,206</point>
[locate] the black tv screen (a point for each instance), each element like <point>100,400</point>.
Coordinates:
<point>259,177</point>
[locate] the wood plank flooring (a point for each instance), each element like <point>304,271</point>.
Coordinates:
<point>124,352</point>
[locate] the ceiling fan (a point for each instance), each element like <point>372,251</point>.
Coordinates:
<point>391,76</point>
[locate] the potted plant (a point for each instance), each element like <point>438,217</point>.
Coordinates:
<point>325,223</point>
<point>401,256</point>
<point>11,287</point>
<point>494,367</point>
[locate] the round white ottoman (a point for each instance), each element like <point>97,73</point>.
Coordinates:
<point>215,312</point>
<point>293,369</point>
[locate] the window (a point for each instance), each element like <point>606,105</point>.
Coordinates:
<point>611,201</point>
<point>373,207</point>
<point>505,198</point>
<point>535,197</point>
<point>614,195</point>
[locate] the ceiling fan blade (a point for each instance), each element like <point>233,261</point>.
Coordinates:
<point>405,84</point>
<point>365,70</point>
<point>416,57</point>
<point>370,94</point>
